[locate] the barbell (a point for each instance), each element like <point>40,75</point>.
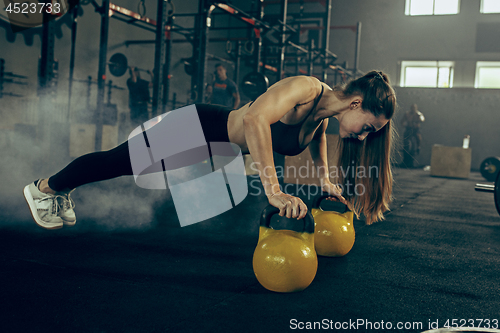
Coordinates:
<point>495,189</point>
<point>118,65</point>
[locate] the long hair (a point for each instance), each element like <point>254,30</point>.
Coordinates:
<point>365,166</point>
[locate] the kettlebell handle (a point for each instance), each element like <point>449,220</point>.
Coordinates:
<point>269,211</point>
<point>336,206</point>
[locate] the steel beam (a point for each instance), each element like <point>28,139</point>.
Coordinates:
<point>101,74</point>
<point>326,38</point>
<point>159,58</point>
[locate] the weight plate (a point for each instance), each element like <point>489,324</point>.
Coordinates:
<point>189,66</point>
<point>497,193</point>
<point>254,84</point>
<point>118,64</point>
<point>490,167</point>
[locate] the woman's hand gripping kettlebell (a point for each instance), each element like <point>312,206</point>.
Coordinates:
<point>335,191</point>
<point>289,206</point>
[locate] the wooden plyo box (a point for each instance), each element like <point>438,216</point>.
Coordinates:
<point>453,162</point>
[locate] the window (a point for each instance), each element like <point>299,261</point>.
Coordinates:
<point>432,7</point>
<point>487,74</point>
<point>490,6</point>
<point>431,74</point>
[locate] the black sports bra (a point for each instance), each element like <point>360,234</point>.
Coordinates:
<point>286,137</point>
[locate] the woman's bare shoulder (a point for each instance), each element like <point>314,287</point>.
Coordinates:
<point>299,81</point>
<point>307,87</point>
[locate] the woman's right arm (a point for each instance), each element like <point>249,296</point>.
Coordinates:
<point>266,110</point>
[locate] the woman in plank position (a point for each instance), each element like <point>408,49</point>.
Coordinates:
<point>291,115</point>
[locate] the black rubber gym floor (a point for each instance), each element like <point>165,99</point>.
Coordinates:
<point>128,267</point>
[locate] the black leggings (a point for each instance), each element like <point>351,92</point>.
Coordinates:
<point>93,167</point>
<point>114,163</point>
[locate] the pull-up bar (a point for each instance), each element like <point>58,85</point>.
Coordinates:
<point>238,13</point>
<point>353,28</point>
<point>241,15</point>
<point>130,17</point>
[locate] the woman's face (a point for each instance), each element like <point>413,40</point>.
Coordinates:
<point>358,123</point>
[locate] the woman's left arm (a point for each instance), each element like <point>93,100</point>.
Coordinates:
<point>318,150</point>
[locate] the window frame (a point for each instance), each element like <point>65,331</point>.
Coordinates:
<point>408,9</point>
<point>481,9</point>
<point>483,64</point>
<point>427,64</point>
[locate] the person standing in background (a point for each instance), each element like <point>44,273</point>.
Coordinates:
<point>412,138</point>
<point>223,91</point>
<point>138,96</point>
<point>411,121</point>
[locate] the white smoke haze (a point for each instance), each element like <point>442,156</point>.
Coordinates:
<point>118,204</point>
<point>17,166</point>
<point>121,204</point>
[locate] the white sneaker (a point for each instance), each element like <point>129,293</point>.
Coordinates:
<point>43,207</point>
<point>66,212</point>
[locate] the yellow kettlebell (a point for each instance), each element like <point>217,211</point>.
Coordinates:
<point>334,230</point>
<point>285,260</point>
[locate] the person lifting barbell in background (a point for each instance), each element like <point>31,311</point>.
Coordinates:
<point>138,96</point>
<point>290,116</point>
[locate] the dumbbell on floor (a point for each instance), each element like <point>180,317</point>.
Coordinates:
<point>490,167</point>
<point>492,188</point>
